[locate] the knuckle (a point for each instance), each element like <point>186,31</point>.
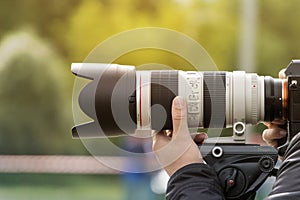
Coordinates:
<point>178,115</point>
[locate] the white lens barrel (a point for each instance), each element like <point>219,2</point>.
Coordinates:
<point>143,100</point>
<point>229,96</point>
<point>244,98</point>
<point>254,98</point>
<point>190,86</point>
<point>247,100</point>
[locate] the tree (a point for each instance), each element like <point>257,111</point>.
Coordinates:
<point>35,114</point>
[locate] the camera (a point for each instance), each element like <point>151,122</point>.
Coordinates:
<point>123,101</point>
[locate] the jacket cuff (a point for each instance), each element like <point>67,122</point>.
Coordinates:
<point>193,180</point>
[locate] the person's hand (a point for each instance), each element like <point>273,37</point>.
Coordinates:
<point>274,132</point>
<point>176,149</point>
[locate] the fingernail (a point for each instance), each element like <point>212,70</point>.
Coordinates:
<point>282,132</point>
<point>179,102</point>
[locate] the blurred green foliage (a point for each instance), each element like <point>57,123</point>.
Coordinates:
<point>214,24</point>
<point>34,97</point>
<point>57,186</point>
<point>36,84</point>
<point>278,35</point>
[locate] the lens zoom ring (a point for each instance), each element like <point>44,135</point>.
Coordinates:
<point>214,91</point>
<point>164,88</point>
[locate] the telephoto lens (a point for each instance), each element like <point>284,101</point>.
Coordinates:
<point>124,101</point>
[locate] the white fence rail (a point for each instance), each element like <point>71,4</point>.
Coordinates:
<point>58,164</point>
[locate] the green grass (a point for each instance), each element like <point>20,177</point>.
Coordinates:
<point>62,187</point>
<point>67,187</point>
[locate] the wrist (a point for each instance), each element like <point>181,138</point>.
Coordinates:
<point>174,167</point>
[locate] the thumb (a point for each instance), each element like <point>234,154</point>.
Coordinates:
<point>179,115</point>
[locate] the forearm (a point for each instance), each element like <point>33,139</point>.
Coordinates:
<point>287,184</point>
<point>194,181</point>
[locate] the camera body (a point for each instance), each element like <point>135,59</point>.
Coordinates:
<point>293,112</point>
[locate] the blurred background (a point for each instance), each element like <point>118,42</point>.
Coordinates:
<point>40,39</point>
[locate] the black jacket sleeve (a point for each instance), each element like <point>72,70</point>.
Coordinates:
<point>287,184</point>
<point>199,181</point>
<point>194,181</point>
